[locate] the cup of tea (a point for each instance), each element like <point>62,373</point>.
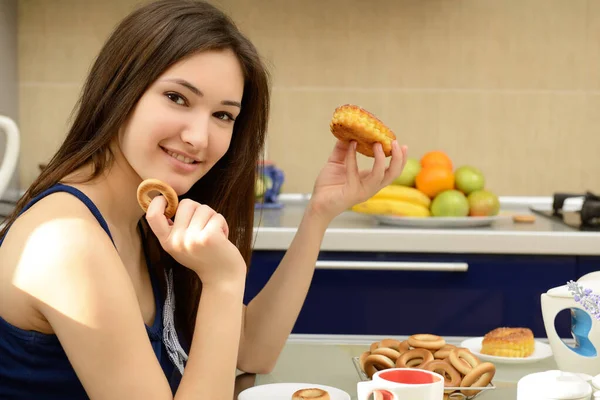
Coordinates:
<point>402,384</point>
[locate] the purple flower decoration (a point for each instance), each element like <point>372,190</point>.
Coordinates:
<point>585,297</point>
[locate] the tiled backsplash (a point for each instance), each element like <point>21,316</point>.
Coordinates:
<point>510,86</point>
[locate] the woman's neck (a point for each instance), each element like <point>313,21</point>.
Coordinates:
<point>114,192</point>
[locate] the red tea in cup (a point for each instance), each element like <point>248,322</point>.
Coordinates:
<point>403,384</point>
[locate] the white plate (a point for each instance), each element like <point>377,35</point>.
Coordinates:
<point>439,222</point>
<point>541,352</point>
<point>284,391</point>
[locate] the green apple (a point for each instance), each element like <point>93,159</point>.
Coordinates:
<point>468,179</point>
<point>450,203</point>
<point>263,183</point>
<point>410,171</point>
<point>483,203</point>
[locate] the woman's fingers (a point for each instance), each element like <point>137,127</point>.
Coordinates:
<point>185,212</point>
<point>396,165</point>
<point>374,178</point>
<point>158,222</point>
<point>352,174</point>
<point>201,218</point>
<point>380,176</point>
<point>218,224</point>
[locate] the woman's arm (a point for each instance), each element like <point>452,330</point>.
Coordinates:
<point>84,291</point>
<point>271,315</point>
<point>210,371</point>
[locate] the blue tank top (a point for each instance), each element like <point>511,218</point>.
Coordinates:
<point>33,365</point>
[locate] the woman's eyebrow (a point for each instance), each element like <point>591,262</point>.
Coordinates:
<point>186,84</point>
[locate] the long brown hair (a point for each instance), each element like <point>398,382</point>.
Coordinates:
<point>142,47</point>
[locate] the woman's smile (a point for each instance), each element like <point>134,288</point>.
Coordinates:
<point>181,162</point>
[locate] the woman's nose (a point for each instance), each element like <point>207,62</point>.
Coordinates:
<point>196,133</point>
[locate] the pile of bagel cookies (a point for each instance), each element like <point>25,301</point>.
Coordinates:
<point>459,367</point>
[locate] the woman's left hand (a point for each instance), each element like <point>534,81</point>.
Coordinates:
<point>340,184</point>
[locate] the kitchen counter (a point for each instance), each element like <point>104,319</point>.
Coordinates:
<point>327,360</point>
<point>275,229</point>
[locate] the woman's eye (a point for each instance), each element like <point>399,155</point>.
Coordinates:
<point>225,116</point>
<point>177,99</point>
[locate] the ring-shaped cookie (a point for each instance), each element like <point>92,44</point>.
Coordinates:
<point>426,341</point>
<point>377,362</point>
<point>452,377</point>
<point>444,352</point>
<point>374,345</point>
<point>480,376</point>
<point>150,185</point>
<point>463,360</point>
<point>352,123</point>
<point>311,394</point>
<point>397,345</point>
<point>388,352</point>
<point>362,358</point>
<point>414,358</point>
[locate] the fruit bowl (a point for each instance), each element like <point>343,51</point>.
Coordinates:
<point>440,222</point>
<point>431,186</point>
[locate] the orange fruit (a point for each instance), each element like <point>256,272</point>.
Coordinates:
<point>436,158</point>
<point>433,180</point>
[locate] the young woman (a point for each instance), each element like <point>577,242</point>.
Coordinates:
<point>88,285</point>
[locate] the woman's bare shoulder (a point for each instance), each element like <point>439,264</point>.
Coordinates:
<point>51,245</point>
<point>64,260</point>
<point>54,219</point>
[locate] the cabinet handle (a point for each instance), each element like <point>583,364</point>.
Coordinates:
<point>394,265</point>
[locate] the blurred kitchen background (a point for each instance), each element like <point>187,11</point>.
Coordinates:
<point>509,86</point>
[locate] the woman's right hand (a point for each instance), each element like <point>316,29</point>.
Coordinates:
<point>198,239</point>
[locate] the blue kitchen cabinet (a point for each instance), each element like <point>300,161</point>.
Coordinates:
<point>587,264</point>
<point>494,291</point>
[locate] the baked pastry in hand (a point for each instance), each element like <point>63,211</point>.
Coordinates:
<point>352,123</point>
<point>508,342</point>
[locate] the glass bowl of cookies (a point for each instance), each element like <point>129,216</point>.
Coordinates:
<point>465,375</point>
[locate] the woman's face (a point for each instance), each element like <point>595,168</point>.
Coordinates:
<point>183,123</point>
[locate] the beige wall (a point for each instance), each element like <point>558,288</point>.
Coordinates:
<point>510,86</point>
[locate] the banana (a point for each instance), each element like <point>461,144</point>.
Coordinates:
<point>391,207</point>
<point>404,193</point>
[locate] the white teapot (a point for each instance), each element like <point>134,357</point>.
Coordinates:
<point>582,298</point>
<point>11,152</point>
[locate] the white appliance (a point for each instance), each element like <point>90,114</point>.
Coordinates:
<point>8,164</point>
<point>580,298</point>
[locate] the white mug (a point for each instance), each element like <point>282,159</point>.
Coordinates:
<point>403,384</point>
<point>8,164</point>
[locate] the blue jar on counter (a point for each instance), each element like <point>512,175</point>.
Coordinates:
<point>269,180</point>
